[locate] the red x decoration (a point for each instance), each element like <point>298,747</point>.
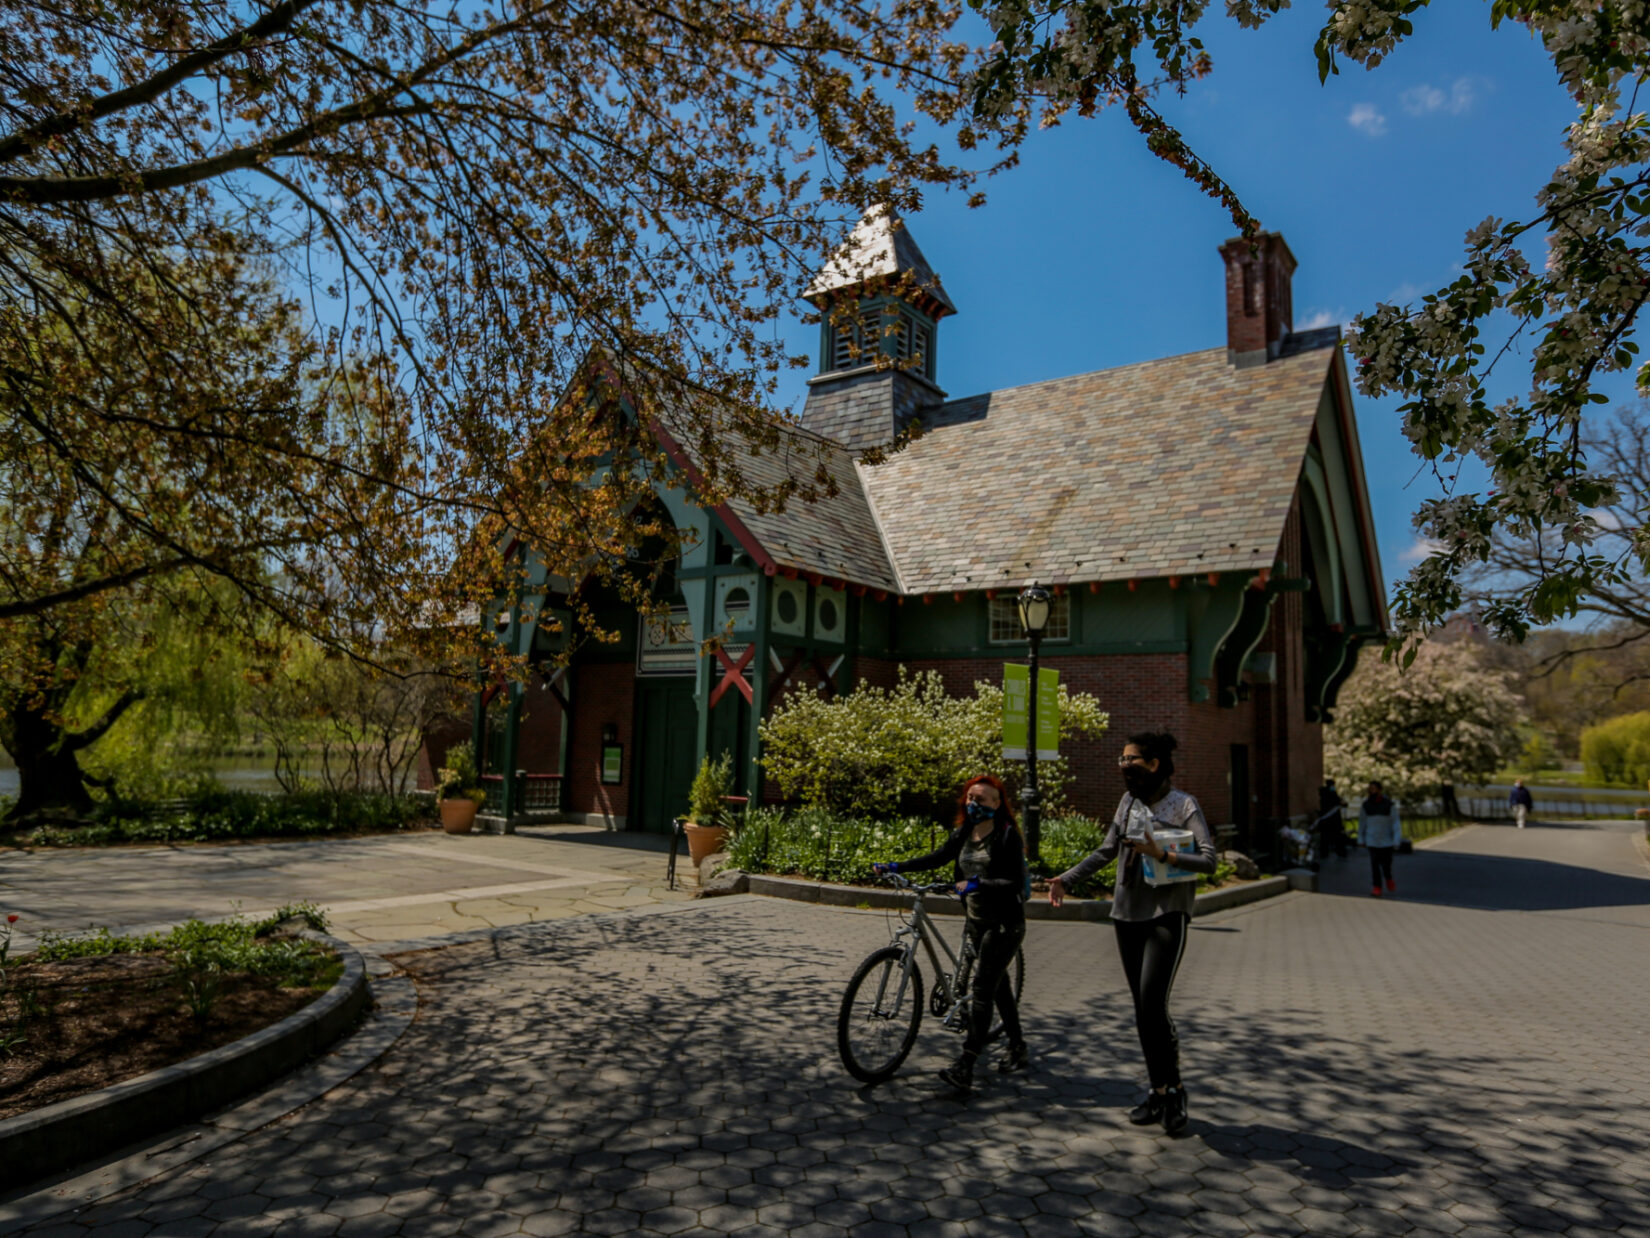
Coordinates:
<point>735,678</point>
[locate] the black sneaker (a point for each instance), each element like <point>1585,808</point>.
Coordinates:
<point>1174,1110</point>
<point>960,1074</point>
<point>1149,1110</point>
<point>1014,1060</point>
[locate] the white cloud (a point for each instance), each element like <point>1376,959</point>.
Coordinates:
<point>1419,549</point>
<point>1605,518</point>
<point>1322,318</point>
<point>1427,100</point>
<point>1404,293</point>
<point>1367,119</point>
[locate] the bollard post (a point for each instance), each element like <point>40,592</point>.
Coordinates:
<point>675,842</point>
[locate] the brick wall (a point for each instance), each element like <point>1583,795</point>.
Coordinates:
<point>602,692</point>
<point>438,737</point>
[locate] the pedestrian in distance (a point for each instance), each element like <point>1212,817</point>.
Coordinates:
<point>1380,830</point>
<point>989,859</point>
<point>1331,827</point>
<point>1521,801</point>
<point>1150,921</point>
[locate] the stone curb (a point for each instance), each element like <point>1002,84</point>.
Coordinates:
<point>1097,909</point>
<point>83,1128</point>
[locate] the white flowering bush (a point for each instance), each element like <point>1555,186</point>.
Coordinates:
<point>825,846</point>
<point>1448,719</point>
<point>1570,317</point>
<point>884,753</point>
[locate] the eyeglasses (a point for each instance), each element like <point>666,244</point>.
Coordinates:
<point>1127,760</point>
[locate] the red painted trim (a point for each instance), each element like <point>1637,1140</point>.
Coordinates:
<point>788,572</point>
<point>928,599</point>
<point>1133,584</point>
<point>880,595</point>
<point>1213,578</point>
<point>1174,582</point>
<point>857,590</point>
<point>957,596</point>
<point>1094,586</point>
<point>991,595</point>
<point>735,678</point>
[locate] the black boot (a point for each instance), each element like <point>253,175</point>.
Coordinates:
<point>1015,1059</point>
<point>960,1074</point>
<point>1149,1110</point>
<point>1174,1110</point>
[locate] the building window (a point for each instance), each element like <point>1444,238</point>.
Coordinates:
<point>1005,620</point>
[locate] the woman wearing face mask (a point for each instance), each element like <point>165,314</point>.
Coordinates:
<point>990,873</point>
<point>1151,921</point>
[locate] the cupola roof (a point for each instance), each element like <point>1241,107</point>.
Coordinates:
<point>880,250</point>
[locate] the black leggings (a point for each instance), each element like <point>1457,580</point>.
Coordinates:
<point>1151,951</point>
<point>993,982</point>
<point>1380,864</point>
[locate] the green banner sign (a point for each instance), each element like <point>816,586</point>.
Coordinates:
<point>1017,712</point>
<point>1048,714</point>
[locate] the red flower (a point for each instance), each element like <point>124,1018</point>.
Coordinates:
<point>11,919</point>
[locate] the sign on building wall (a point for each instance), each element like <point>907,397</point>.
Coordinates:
<point>667,646</point>
<point>1017,711</point>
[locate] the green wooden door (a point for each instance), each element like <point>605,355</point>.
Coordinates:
<point>668,760</point>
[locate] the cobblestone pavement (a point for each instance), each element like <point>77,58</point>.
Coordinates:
<point>1467,1060</point>
<point>378,889</point>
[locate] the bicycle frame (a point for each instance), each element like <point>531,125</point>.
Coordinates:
<point>918,926</point>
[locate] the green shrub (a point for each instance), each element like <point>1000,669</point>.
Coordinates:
<point>707,803</point>
<point>908,750</point>
<point>1617,750</point>
<point>199,951</point>
<point>214,813</point>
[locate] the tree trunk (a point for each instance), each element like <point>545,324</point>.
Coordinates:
<point>53,786</point>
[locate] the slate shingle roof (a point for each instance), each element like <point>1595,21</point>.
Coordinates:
<point>1180,466</point>
<point>836,536</point>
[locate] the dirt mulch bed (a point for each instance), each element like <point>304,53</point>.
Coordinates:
<point>96,1021</point>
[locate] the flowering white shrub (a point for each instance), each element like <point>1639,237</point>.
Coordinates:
<point>909,749</point>
<point>1447,719</point>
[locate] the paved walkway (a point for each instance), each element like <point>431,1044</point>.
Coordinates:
<point>378,889</point>
<point>1466,1060</point>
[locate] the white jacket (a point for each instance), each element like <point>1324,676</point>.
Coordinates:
<point>1377,830</point>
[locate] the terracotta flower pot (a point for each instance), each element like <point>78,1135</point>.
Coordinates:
<point>704,840</point>
<point>458,816</point>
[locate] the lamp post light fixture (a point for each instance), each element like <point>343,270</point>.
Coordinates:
<point>1035,604</point>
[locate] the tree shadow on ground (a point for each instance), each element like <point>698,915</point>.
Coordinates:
<point>678,1072</point>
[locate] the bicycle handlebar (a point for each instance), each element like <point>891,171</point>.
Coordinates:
<point>900,882</point>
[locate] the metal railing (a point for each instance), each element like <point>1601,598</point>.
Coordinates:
<point>534,792</point>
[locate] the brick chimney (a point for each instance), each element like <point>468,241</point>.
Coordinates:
<point>1258,309</point>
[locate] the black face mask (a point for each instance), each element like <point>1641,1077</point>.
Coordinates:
<point>1140,781</point>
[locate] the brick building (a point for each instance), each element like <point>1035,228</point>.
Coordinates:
<point>1202,520</point>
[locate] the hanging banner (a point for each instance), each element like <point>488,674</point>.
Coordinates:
<point>1048,714</point>
<point>1016,710</point>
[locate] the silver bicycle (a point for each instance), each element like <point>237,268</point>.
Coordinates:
<point>882,1009</point>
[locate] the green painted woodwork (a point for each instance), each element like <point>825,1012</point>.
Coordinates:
<point>1322,547</point>
<point>1363,606</point>
<point>1240,642</point>
<point>1212,615</point>
<point>662,771</point>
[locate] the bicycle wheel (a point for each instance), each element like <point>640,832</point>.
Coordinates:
<point>877,1024</point>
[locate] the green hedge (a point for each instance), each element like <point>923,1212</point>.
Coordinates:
<point>218,814</point>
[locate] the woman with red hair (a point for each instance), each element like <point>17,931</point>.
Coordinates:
<point>990,873</point>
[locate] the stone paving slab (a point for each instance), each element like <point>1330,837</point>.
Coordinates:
<point>384,888</point>
<point>1444,1063</point>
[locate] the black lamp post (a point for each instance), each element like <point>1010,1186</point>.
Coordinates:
<point>1034,603</point>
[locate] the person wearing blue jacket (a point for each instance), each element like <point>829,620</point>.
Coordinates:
<point>1379,830</point>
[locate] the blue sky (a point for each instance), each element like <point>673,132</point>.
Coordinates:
<point>1094,254</point>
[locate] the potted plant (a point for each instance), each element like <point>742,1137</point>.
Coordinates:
<point>710,821</point>
<point>460,792</point>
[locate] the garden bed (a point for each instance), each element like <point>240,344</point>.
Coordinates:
<point>82,1014</point>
